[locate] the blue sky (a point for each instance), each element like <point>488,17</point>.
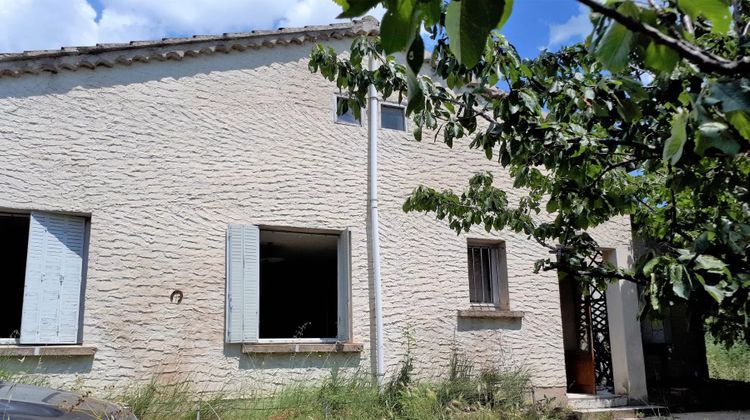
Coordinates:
<point>50,24</point>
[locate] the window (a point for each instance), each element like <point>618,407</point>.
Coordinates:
<point>392,117</point>
<point>487,274</point>
<point>14,237</point>
<point>286,285</point>
<point>42,256</point>
<point>343,114</point>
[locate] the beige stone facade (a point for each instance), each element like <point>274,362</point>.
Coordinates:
<point>162,156</point>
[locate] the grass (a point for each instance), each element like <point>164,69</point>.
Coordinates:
<point>731,363</point>
<point>21,378</point>
<point>464,393</point>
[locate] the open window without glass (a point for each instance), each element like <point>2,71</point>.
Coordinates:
<point>43,259</point>
<point>287,285</point>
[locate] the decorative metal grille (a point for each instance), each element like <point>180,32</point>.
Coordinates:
<point>593,333</point>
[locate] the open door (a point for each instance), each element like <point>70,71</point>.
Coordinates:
<point>588,360</point>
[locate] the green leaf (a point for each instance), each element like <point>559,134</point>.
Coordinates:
<point>733,95</point>
<point>740,120</point>
<point>713,135</point>
<point>715,292</point>
<point>648,268</point>
<point>418,133</point>
<point>654,293</point>
<point>628,110</point>
<point>507,9</point>
<point>676,141</point>
<point>355,8</point>
<point>660,58</point>
<point>613,49</point>
<point>710,263</point>
<point>415,102</point>
<point>415,55</point>
<point>679,286</point>
<point>396,29</point>
<point>703,241</point>
<point>431,12</point>
<point>469,23</point>
<point>717,11</point>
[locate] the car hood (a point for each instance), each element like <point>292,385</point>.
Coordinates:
<point>20,401</point>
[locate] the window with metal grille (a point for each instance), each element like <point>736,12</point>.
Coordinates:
<point>487,274</point>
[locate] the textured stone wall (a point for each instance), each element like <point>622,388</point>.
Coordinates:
<point>163,156</point>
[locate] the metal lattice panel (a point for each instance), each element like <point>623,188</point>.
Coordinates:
<point>593,333</point>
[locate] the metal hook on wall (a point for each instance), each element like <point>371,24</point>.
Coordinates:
<point>176,297</point>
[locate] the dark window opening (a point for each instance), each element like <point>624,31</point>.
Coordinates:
<point>392,117</point>
<point>298,285</point>
<point>14,238</point>
<point>344,114</point>
<point>481,275</point>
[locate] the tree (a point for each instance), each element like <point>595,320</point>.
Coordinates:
<point>649,118</point>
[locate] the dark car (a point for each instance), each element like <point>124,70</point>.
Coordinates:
<point>19,401</point>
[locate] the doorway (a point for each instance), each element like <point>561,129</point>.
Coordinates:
<point>588,351</point>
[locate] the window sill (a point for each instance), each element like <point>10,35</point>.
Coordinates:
<point>255,348</point>
<point>489,313</point>
<point>46,351</point>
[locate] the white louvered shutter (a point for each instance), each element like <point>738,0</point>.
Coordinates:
<point>54,268</point>
<point>243,283</point>
<point>344,285</point>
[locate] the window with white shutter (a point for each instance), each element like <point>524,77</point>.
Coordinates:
<point>53,247</point>
<point>286,284</point>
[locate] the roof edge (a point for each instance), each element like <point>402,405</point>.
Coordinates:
<point>109,55</point>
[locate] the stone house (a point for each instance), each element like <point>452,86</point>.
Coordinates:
<point>194,208</point>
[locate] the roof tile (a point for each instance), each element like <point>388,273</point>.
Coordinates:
<point>110,54</point>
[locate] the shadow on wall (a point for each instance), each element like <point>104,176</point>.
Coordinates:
<point>66,81</point>
<point>474,324</point>
<point>324,361</point>
<point>45,365</point>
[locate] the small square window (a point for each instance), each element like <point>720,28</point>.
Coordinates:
<point>487,274</point>
<point>392,117</point>
<point>343,114</point>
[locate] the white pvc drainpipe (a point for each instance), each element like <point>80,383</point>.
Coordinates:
<point>372,163</point>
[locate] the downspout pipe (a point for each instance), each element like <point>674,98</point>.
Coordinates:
<point>372,164</point>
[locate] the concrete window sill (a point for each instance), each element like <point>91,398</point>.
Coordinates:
<point>17,350</point>
<point>256,348</point>
<point>489,314</point>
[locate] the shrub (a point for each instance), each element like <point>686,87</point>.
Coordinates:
<point>731,363</point>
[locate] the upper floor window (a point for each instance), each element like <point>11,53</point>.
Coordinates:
<point>488,283</point>
<point>343,114</point>
<point>392,117</point>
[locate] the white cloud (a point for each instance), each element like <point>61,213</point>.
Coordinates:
<point>46,24</point>
<point>50,24</point>
<point>318,12</point>
<point>575,29</point>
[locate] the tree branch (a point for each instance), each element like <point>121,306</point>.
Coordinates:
<point>704,60</point>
